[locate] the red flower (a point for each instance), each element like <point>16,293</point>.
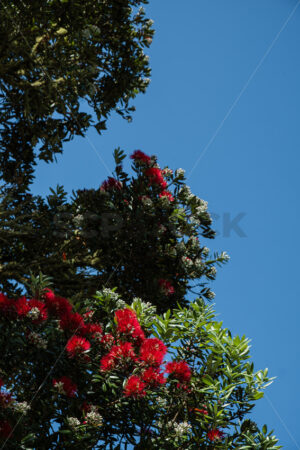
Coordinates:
<point>140,156</point>
<point>180,370</point>
<point>215,435</point>
<point>134,387</point>
<point>77,345</point>
<point>57,305</point>
<point>37,311</point>
<point>152,351</point>
<point>119,353</point>
<point>65,386</point>
<point>126,320</point>
<point>156,177</point>
<point>71,321</point>
<point>153,377</point>
<point>127,323</point>
<point>166,287</point>
<point>22,307</point>
<point>5,429</point>
<point>110,184</point>
<point>1,382</point>
<point>167,194</point>
<point>108,362</point>
<point>48,294</point>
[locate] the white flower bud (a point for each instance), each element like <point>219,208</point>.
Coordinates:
<point>187,262</point>
<point>146,201</point>
<point>34,313</point>
<point>73,422</point>
<point>120,304</point>
<point>37,340</point>
<point>205,251</point>
<point>94,419</point>
<point>21,407</point>
<point>59,386</point>
<point>182,428</point>
<point>180,172</point>
<point>198,263</point>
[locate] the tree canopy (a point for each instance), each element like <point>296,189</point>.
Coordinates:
<point>61,61</point>
<point>107,334</point>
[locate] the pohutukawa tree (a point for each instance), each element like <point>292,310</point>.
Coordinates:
<point>104,348</point>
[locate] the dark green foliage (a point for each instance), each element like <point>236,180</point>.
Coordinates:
<point>55,54</point>
<point>128,237</point>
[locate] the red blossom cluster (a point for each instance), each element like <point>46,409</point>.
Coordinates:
<point>65,386</point>
<point>127,323</point>
<point>70,322</point>
<point>22,307</point>
<point>155,176</point>
<point>141,157</point>
<point>166,287</point>
<point>152,352</point>
<point>111,184</point>
<point>119,355</point>
<point>167,194</point>
<point>179,370</point>
<point>74,323</point>
<point>76,345</point>
<point>129,351</point>
<point>134,387</point>
<point>215,435</point>
<point>143,355</point>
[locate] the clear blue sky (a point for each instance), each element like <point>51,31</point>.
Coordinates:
<point>208,55</point>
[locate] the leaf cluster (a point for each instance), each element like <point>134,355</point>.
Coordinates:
<point>60,62</point>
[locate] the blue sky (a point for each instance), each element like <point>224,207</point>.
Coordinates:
<point>225,91</point>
